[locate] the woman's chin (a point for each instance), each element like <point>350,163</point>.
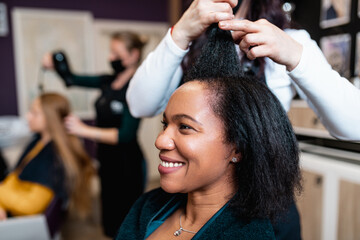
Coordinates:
<point>169,188</point>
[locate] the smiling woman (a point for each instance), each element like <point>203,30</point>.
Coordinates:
<point>229,158</point>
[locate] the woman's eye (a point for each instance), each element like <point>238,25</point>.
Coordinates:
<point>164,124</point>
<point>185,127</point>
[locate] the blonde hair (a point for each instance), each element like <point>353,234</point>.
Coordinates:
<point>77,164</point>
<point>131,41</point>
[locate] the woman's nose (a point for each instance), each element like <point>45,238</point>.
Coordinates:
<point>165,141</point>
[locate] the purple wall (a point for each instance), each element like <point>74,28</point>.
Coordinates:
<point>141,10</point>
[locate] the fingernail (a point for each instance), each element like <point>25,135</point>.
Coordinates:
<point>222,24</point>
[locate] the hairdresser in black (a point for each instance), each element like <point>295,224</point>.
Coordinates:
<point>122,166</point>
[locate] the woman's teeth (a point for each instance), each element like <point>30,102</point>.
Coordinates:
<point>170,164</point>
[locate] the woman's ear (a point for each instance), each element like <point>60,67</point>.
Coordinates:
<point>236,155</point>
<point>237,158</point>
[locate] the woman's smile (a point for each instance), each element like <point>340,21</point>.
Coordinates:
<point>168,165</point>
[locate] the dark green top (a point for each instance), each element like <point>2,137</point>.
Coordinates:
<point>153,205</point>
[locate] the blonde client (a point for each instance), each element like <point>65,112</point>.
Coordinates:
<point>53,165</point>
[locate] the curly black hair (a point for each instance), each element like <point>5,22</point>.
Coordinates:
<point>268,173</point>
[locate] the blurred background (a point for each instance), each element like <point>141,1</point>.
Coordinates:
<point>329,206</point>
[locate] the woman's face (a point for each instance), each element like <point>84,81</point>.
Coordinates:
<point>36,118</point>
<point>118,51</point>
<point>193,153</point>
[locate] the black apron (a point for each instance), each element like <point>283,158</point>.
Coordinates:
<point>121,165</point>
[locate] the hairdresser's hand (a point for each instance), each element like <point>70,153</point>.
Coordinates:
<point>263,39</point>
<point>47,61</point>
<point>200,15</point>
<point>3,215</point>
<point>75,126</point>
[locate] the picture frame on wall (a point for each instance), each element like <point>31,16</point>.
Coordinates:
<point>334,13</point>
<point>337,50</point>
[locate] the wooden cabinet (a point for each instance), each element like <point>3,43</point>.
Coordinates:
<point>329,206</point>
<point>302,116</point>
<point>349,211</point>
<point>309,204</point>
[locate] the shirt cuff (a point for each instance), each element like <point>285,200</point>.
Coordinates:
<point>300,69</point>
<point>173,47</point>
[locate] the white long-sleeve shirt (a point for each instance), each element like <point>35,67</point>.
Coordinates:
<point>160,74</point>
<point>333,98</point>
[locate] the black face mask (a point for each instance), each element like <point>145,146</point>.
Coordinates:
<point>117,66</point>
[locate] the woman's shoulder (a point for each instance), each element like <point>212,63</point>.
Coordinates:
<point>49,157</point>
<point>259,229</point>
<point>256,229</point>
<point>232,225</point>
<point>44,167</point>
